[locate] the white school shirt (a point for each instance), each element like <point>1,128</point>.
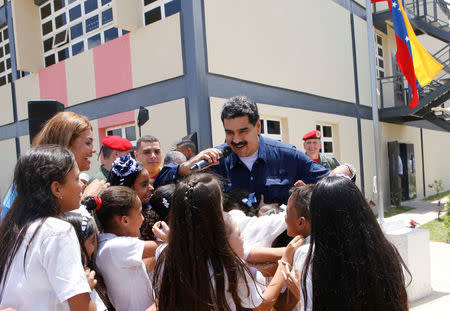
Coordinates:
<point>249,299</point>
<point>258,231</point>
<point>52,273</point>
<point>119,261</point>
<point>299,262</point>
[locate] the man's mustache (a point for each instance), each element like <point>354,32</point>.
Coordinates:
<point>239,144</point>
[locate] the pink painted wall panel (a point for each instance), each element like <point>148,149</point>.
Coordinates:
<point>112,66</point>
<point>113,120</point>
<point>53,84</point>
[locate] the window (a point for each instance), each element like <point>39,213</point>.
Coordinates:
<point>379,63</point>
<point>5,59</point>
<point>70,27</point>
<point>327,138</point>
<point>154,10</point>
<point>271,128</point>
<point>127,131</point>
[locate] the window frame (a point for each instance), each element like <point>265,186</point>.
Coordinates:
<point>84,37</point>
<point>319,126</point>
<point>151,6</point>
<point>264,128</point>
<point>122,127</point>
<point>378,58</point>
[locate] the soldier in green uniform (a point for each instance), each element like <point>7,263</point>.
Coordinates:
<point>311,143</point>
<point>112,148</point>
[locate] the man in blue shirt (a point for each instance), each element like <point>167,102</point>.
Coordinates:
<point>261,165</point>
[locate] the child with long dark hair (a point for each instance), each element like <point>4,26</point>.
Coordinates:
<point>123,260</point>
<point>350,262</point>
<point>198,269</point>
<point>40,259</point>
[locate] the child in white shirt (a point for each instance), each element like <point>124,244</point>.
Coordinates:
<point>40,259</point>
<point>122,259</point>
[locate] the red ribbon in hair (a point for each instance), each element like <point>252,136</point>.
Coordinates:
<point>98,202</point>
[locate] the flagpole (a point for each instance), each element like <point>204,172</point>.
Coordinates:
<point>376,126</point>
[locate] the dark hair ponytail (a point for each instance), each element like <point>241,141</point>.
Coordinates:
<point>115,200</point>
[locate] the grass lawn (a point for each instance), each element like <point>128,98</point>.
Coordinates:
<point>438,230</point>
<point>396,210</point>
<point>435,196</point>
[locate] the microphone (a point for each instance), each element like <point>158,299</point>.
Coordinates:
<point>224,152</point>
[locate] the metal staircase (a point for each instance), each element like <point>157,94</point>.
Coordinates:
<point>430,17</point>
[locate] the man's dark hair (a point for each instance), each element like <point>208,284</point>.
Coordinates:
<point>301,198</point>
<point>147,139</point>
<point>240,106</point>
<point>187,144</point>
<point>106,151</point>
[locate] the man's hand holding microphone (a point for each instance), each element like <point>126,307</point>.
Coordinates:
<point>204,159</point>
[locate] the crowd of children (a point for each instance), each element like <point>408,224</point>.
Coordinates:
<point>187,245</point>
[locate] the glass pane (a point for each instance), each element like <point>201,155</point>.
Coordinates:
<point>5,34</point>
<point>172,7</point>
<point>63,54</point>
<point>46,11</point>
<point>2,80</point>
<point>380,63</point>
<point>148,1</point>
<point>8,63</point>
<point>328,146</point>
<point>130,133</point>
<point>90,5</point>
<point>105,2</point>
<point>262,126</point>
<point>317,127</point>
<point>49,60</point>
<point>6,48</point>
<point>72,1</point>
<point>124,32</point>
<point>2,66</point>
<point>381,74</point>
<point>9,77</point>
<point>47,28</point>
<point>92,23</point>
<point>107,16</point>
<point>61,38</point>
<point>273,127</point>
<point>94,41</point>
<point>1,52</point>
<point>111,34</point>
<point>77,48</point>
<point>76,31</point>
<point>75,13</point>
<point>380,52</point>
<point>60,20</point>
<point>379,40</point>
<point>58,4</point>
<point>1,37</point>
<point>117,132</point>
<point>48,44</point>
<point>327,131</point>
<point>153,16</point>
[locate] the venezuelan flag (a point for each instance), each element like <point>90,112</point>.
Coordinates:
<point>416,64</point>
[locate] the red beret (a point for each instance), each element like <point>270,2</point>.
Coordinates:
<point>312,134</point>
<point>117,143</point>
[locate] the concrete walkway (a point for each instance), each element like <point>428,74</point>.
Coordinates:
<point>423,212</point>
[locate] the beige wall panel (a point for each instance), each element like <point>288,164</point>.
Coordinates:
<point>431,44</point>
<point>300,122</point>
<point>95,163</point>
<point>402,134</point>
<point>2,2</point>
<point>7,165</point>
<point>80,78</point>
<point>27,35</point>
<point>362,61</point>
<point>167,130</point>
<point>24,143</point>
<point>300,45</point>
<point>27,88</point>
<point>128,14</point>
<point>156,52</point>
<point>436,149</point>
<point>6,106</point>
